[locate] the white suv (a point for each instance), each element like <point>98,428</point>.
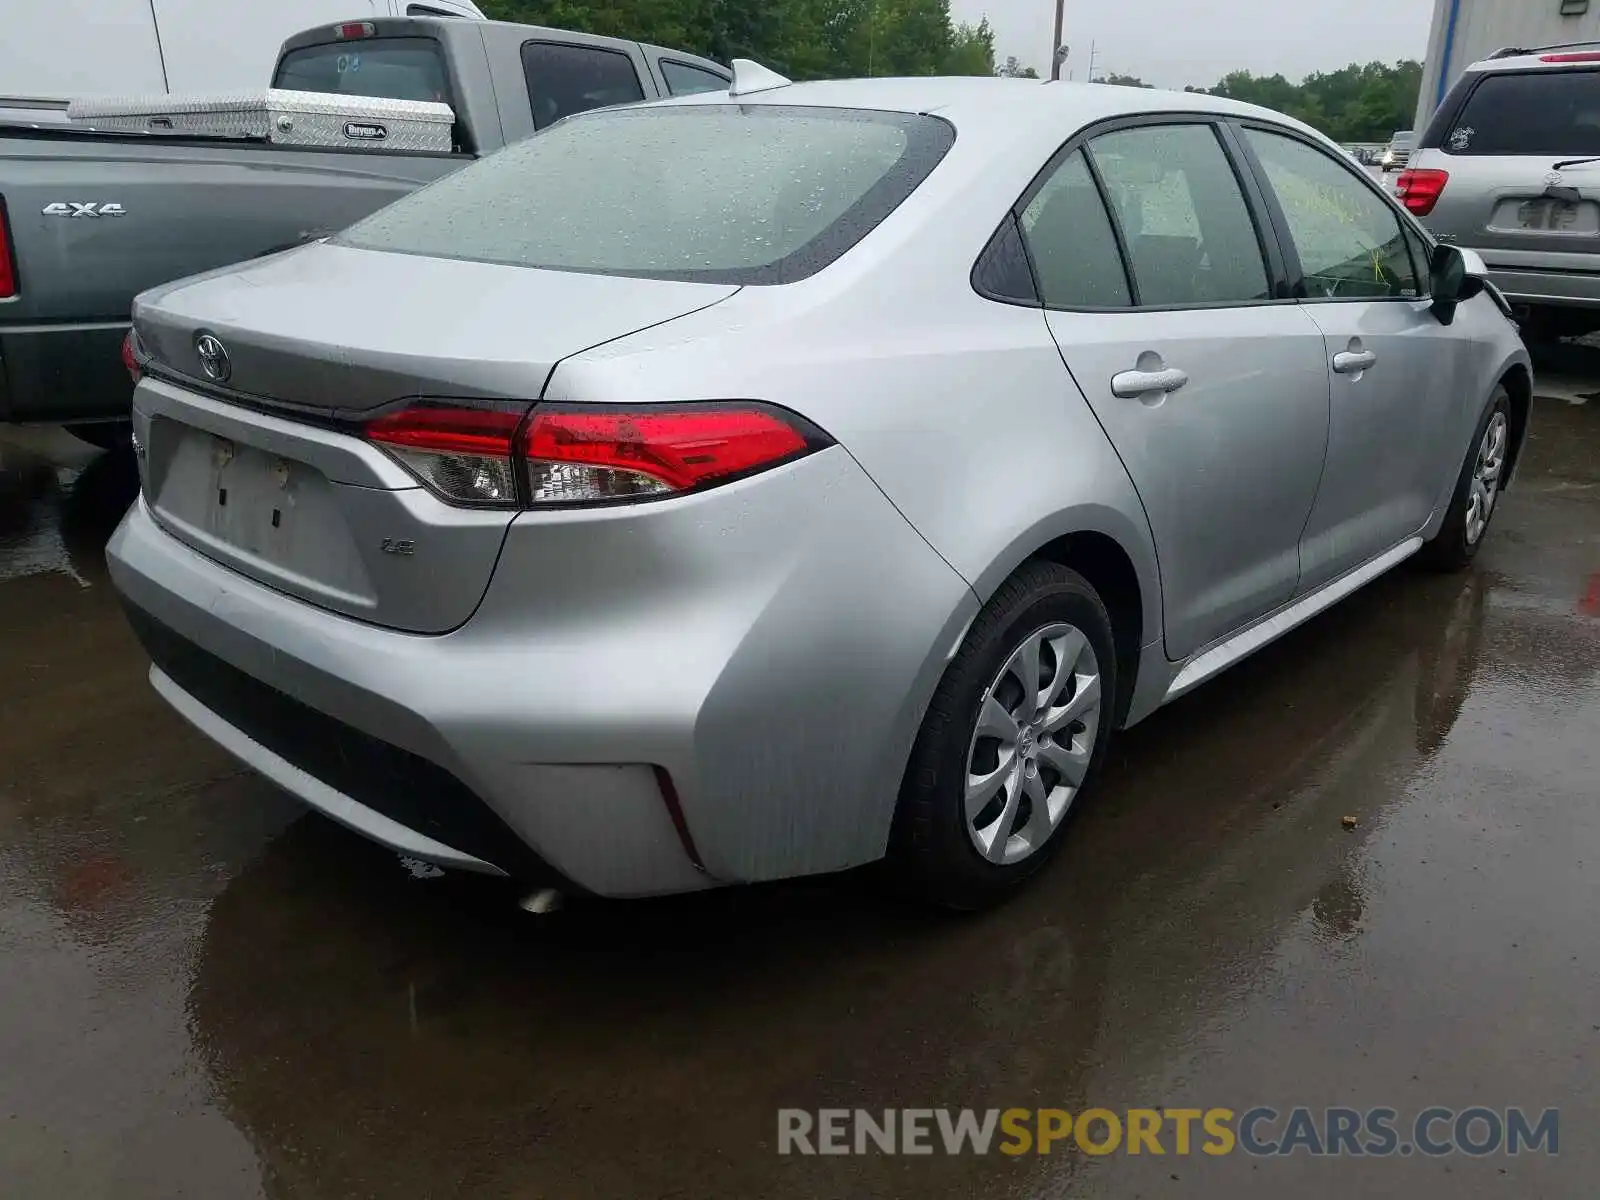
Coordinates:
<point>1510,167</point>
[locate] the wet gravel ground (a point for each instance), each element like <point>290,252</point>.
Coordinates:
<point>206,991</point>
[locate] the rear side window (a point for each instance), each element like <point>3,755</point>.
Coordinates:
<point>565,80</point>
<point>684,80</point>
<point>1183,216</point>
<point>716,193</point>
<point>1530,112</point>
<point>405,68</point>
<point>1068,234</point>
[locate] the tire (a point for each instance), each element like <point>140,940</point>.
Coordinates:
<point>106,435</point>
<point>1461,536</point>
<point>935,849</point>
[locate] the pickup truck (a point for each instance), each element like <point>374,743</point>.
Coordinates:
<point>88,218</point>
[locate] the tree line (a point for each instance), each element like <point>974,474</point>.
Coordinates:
<point>820,39</point>
<point>1354,104</point>
<point>803,39</point>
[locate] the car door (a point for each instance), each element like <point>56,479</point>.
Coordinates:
<point>1392,365</point>
<point>1159,283</point>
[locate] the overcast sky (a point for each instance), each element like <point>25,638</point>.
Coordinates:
<point>1173,42</point>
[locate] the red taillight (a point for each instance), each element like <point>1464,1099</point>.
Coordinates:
<point>1581,56</point>
<point>130,358</point>
<point>355,29</point>
<point>604,453</point>
<point>587,454</point>
<point>1420,190</point>
<point>8,265</point>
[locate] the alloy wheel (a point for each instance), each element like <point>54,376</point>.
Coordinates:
<point>1033,743</point>
<point>1486,471</point>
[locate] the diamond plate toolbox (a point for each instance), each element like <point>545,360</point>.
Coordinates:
<point>281,117</point>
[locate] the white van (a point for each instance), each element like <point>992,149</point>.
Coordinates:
<point>63,49</point>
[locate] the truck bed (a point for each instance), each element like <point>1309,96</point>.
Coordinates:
<point>146,209</point>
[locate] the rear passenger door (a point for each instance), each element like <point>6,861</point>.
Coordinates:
<point>1393,368</point>
<point>1161,286</point>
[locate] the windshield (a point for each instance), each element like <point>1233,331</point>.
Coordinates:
<point>711,193</point>
<point>402,68</point>
<point>1530,112</point>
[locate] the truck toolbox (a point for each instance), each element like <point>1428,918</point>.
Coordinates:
<point>282,117</point>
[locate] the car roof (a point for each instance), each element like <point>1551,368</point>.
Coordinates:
<point>1518,59</point>
<point>981,104</point>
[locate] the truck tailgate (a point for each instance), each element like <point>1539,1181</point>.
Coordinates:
<point>96,219</point>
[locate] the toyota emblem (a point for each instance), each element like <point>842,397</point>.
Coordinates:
<point>213,357</point>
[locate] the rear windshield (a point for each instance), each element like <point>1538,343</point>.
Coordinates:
<point>402,68</point>
<point>716,193</point>
<point>1532,112</point>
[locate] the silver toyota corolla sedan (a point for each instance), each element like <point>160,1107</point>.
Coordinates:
<point>768,483</point>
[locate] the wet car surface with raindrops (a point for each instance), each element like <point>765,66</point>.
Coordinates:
<point>1361,869</point>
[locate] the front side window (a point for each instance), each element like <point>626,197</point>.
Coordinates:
<point>684,80</point>
<point>1351,244</point>
<point>564,80</point>
<point>717,193</point>
<point>1544,113</point>
<point>1183,216</point>
<point>1070,240</point>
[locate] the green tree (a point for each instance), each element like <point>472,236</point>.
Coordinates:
<point>1357,103</point>
<point>1121,80</point>
<point>805,39</point>
<point>1012,68</point>
<point>972,51</point>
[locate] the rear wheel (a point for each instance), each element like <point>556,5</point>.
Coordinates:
<point>1477,494</point>
<point>1014,733</point>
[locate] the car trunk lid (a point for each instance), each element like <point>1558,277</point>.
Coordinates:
<point>259,462</point>
<point>333,331</point>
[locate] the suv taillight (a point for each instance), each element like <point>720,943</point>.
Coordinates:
<point>8,264</point>
<point>568,454</point>
<point>1419,191</point>
<point>132,357</point>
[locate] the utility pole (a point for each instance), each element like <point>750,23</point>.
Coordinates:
<point>1093,55</point>
<point>1055,49</point>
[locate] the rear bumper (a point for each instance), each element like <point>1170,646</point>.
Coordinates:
<point>770,646</point>
<point>62,373</point>
<point>1529,284</point>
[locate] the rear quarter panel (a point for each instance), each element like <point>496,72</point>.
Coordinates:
<point>959,408</point>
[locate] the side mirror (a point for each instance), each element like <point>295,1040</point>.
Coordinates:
<point>1456,276</point>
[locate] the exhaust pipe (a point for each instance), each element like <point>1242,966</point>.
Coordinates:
<point>542,902</point>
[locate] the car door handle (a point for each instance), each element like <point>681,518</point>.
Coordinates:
<point>1130,385</point>
<point>1353,362</point>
